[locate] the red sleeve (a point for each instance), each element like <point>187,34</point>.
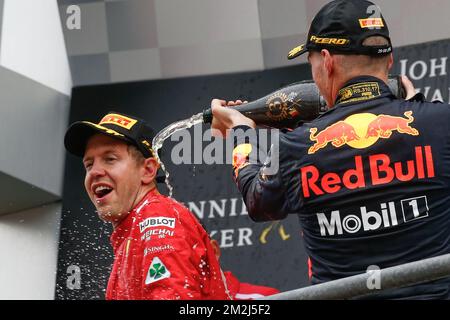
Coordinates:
<point>247,291</point>
<point>253,291</point>
<point>170,253</point>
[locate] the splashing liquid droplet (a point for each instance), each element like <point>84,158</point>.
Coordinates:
<point>165,133</point>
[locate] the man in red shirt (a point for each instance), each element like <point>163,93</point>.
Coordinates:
<point>160,249</point>
<point>241,290</point>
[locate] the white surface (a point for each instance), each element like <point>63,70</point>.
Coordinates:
<point>32,43</point>
<point>135,65</point>
<point>416,21</point>
<point>216,58</point>
<point>28,247</point>
<point>194,22</point>
<point>282,18</point>
<point>33,122</point>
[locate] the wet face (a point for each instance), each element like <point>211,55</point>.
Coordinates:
<point>113,178</point>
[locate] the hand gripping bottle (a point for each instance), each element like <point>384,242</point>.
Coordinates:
<point>293,105</point>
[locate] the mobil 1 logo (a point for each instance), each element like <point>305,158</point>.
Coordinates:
<point>385,215</point>
<point>414,208</point>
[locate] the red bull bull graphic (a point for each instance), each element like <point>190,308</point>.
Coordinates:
<point>338,134</point>
<point>361,131</point>
<point>384,125</point>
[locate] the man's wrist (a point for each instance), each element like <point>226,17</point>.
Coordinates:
<point>238,119</point>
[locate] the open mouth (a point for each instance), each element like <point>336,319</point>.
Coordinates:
<point>102,191</point>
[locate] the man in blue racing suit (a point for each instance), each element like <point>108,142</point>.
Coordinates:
<point>369,179</point>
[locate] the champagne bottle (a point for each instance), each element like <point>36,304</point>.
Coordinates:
<point>293,105</point>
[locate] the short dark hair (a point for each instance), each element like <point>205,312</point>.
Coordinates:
<point>374,41</point>
<point>135,153</point>
<point>351,62</point>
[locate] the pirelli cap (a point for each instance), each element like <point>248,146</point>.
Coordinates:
<point>341,26</point>
<point>120,126</point>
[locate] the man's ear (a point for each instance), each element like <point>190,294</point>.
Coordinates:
<point>391,61</point>
<point>150,169</point>
<point>328,61</point>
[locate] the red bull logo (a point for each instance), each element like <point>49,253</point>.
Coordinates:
<point>383,126</point>
<point>376,169</point>
<point>361,131</point>
<point>338,134</point>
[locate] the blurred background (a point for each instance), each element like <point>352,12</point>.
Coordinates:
<point>164,60</point>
